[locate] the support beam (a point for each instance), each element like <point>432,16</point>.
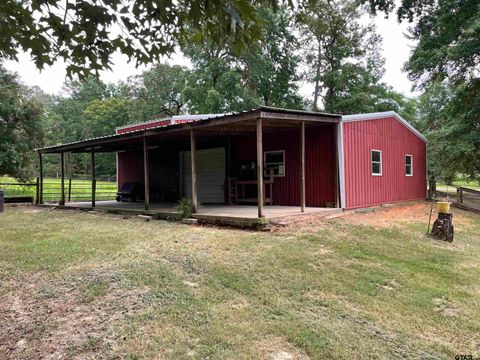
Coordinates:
<point>302,166</point>
<point>146,174</point>
<point>337,169</point>
<point>194,171</point>
<point>341,165</point>
<point>40,200</point>
<point>260,168</point>
<point>94,185</point>
<point>62,171</point>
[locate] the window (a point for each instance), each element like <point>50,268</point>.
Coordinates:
<point>408,165</point>
<point>376,162</point>
<point>274,160</point>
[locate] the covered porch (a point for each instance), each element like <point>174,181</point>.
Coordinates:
<point>261,164</point>
<point>239,215</point>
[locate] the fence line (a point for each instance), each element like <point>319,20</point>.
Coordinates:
<point>52,190</point>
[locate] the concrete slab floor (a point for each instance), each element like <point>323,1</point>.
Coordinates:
<point>234,211</point>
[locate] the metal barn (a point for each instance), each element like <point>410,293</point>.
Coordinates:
<point>264,163</point>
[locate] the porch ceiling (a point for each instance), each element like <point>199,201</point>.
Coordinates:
<point>233,124</point>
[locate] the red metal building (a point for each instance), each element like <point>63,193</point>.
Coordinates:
<point>384,160</point>
<point>364,160</point>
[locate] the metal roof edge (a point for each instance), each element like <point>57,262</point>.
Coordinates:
<point>382,115</point>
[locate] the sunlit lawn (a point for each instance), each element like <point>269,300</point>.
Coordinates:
<point>82,285</point>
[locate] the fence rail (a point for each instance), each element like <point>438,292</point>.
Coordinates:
<point>74,190</point>
<point>468,197</point>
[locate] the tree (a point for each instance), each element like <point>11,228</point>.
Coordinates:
<point>159,91</point>
<point>270,65</point>
<point>449,119</point>
<point>445,64</point>
<point>20,127</point>
<point>86,33</point>
<point>337,55</point>
<point>66,122</point>
<point>216,83</point>
<point>102,117</point>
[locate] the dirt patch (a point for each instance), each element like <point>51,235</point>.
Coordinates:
<point>378,217</point>
<point>444,306</point>
<point>397,214</point>
<point>275,348</point>
<point>56,323</point>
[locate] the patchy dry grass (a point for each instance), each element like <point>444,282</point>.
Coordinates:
<point>77,285</point>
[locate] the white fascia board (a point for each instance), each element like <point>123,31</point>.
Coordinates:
<point>382,115</point>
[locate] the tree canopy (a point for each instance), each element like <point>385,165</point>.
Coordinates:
<point>86,33</point>
<point>20,127</point>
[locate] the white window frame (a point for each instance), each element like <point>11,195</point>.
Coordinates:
<point>411,165</point>
<point>378,162</point>
<point>265,169</point>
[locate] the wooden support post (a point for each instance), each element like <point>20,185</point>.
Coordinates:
<point>194,171</point>
<point>41,178</point>
<point>146,174</point>
<point>93,178</point>
<point>260,168</point>
<point>62,193</point>
<point>37,191</point>
<point>70,189</point>
<point>302,166</point>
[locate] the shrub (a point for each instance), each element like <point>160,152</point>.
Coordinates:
<point>185,207</point>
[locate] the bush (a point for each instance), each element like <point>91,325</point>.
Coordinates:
<point>185,207</point>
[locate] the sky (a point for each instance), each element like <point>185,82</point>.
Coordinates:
<point>396,50</point>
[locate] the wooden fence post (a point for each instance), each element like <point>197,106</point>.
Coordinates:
<point>69,189</point>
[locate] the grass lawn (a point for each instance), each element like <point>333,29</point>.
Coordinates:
<point>81,189</point>
<point>92,286</point>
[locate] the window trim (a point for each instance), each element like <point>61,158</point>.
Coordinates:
<point>265,174</point>
<point>411,165</point>
<point>377,162</point>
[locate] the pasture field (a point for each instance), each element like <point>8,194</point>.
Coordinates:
<point>81,190</point>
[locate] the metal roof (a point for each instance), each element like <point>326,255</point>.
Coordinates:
<point>202,119</point>
<point>173,119</point>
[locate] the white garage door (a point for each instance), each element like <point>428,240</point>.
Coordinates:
<point>210,175</point>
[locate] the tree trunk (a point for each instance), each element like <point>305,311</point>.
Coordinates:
<point>316,93</point>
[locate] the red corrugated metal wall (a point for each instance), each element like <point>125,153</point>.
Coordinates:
<point>164,172</point>
<point>395,140</point>
<point>130,167</point>
<point>319,163</point>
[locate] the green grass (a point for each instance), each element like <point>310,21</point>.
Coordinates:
<point>471,184</point>
<point>81,190</point>
<point>147,290</point>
